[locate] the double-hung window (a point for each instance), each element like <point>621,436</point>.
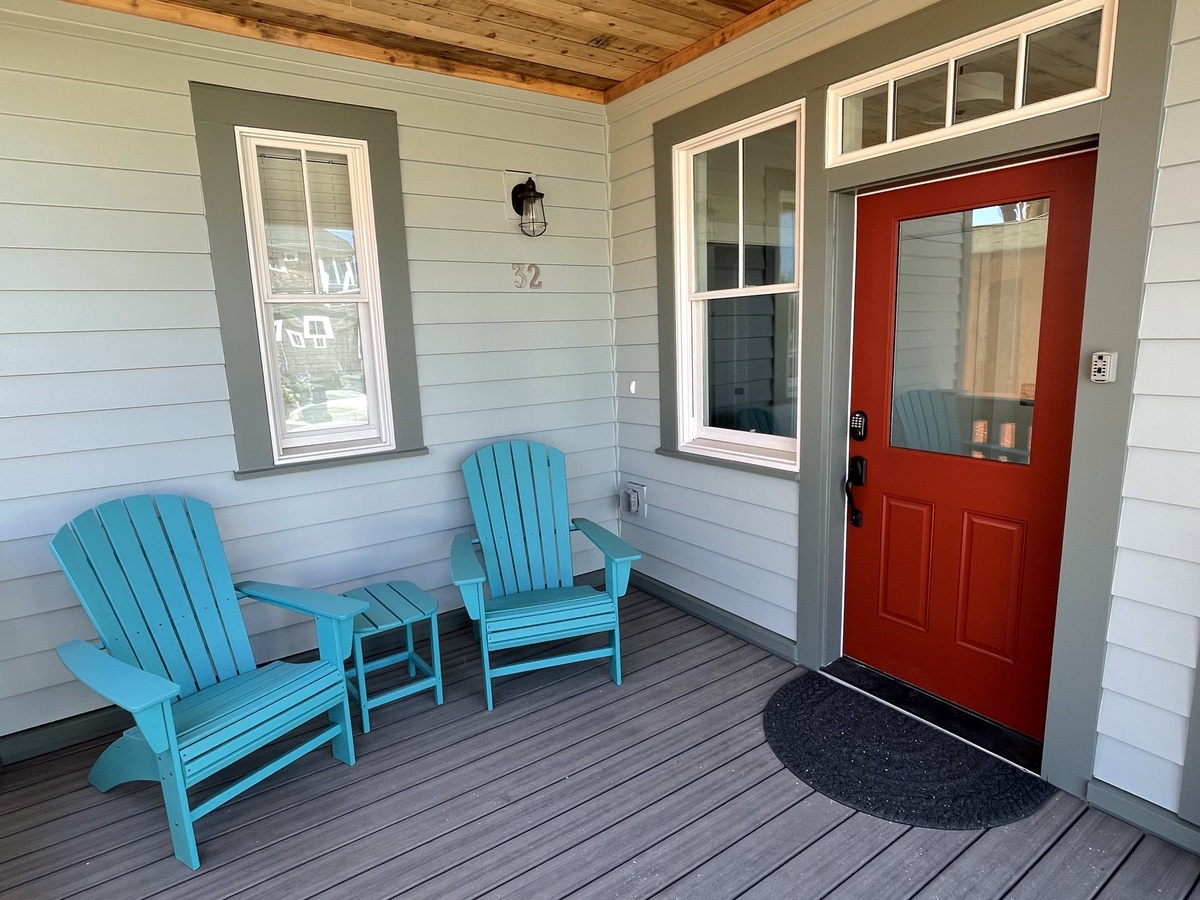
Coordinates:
<point>737,201</point>
<point>316,283</point>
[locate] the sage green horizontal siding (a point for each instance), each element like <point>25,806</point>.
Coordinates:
<point>111,368</point>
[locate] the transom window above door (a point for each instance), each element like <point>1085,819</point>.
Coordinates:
<point>1052,59</point>
<point>737,192</point>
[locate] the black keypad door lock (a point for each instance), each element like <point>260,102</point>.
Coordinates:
<point>858,425</point>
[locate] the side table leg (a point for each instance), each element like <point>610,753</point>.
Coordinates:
<point>360,673</point>
<point>436,652</point>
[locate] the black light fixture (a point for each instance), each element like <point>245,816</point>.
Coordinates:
<point>527,201</point>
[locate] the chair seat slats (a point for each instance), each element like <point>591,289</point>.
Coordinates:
<point>256,696</point>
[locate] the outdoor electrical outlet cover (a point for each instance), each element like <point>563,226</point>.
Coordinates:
<point>633,499</point>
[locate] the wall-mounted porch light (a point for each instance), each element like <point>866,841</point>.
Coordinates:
<point>527,201</point>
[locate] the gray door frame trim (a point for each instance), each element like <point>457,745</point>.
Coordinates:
<point>1126,128</point>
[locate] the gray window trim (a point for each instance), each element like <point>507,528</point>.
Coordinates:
<point>216,110</point>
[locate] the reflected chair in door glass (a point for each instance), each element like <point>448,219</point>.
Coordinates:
<point>518,496</point>
<point>152,576</point>
<point>928,421</point>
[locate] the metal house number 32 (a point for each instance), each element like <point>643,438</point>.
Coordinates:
<point>527,275</point>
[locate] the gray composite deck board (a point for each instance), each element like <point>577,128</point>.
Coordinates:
<point>996,861</point>
<point>1081,861</point>
<point>572,786</point>
<point>906,865</point>
<point>811,873</point>
<point>1155,868</point>
<point>736,868</point>
<point>585,798</point>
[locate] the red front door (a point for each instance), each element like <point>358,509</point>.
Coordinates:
<point>967,315</point>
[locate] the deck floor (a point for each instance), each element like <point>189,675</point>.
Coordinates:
<point>662,787</point>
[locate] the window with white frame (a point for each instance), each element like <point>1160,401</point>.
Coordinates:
<point>1055,58</point>
<point>316,286</point>
<point>737,199</point>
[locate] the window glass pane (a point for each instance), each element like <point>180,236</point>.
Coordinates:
<point>985,82</point>
<point>320,353</point>
<point>333,222</point>
<point>715,217</point>
<point>768,202</point>
<point>864,119</point>
<point>289,260</point>
<point>921,102</point>
<point>752,364</point>
<point>968,319</point>
<point>1062,59</point>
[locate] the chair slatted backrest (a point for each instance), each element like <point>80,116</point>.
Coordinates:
<point>152,576</point>
<point>518,494</point>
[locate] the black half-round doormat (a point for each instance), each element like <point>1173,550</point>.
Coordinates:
<point>868,756</point>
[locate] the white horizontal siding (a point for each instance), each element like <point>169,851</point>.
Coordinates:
<point>111,365</point>
<point>1154,627</point>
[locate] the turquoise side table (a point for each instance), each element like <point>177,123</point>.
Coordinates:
<point>394,604</point>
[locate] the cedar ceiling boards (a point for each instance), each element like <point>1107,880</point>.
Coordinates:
<point>593,50</point>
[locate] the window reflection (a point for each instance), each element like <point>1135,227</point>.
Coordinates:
<point>319,349</point>
<point>968,321</point>
<point>751,384</point>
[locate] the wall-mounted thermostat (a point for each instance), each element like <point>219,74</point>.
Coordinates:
<point>1104,367</point>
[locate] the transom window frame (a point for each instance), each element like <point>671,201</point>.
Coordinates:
<point>378,434</point>
<point>693,435</point>
<point>1018,29</point>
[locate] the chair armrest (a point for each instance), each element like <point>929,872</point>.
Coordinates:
<point>606,542</point>
<point>334,613</point>
<point>466,571</point>
<point>317,604</point>
<point>618,555</point>
<point>127,686</point>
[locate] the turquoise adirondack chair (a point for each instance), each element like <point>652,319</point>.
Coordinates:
<point>152,577</point>
<point>518,495</point>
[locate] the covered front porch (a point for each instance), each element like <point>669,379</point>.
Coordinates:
<point>573,786</point>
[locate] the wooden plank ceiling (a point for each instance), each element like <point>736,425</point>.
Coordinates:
<point>593,50</point>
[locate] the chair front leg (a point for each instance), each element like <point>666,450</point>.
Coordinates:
<point>487,670</point>
<point>179,812</point>
<point>615,664</point>
<point>343,741</point>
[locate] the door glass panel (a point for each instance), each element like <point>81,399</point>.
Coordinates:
<point>752,364</point>
<point>968,318</point>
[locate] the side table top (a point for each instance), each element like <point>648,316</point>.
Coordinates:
<point>392,604</point>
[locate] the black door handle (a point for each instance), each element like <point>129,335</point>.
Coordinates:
<point>856,476</point>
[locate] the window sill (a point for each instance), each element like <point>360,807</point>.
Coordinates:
<point>311,465</point>
<point>743,462</point>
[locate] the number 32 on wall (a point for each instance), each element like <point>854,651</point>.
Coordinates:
<point>527,276</point>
